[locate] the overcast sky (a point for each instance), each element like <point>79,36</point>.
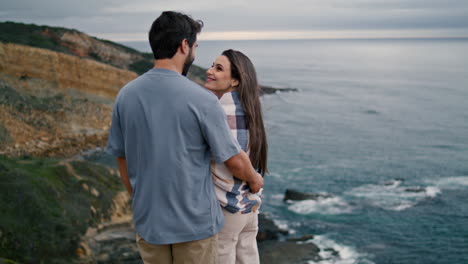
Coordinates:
<point>123,20</point>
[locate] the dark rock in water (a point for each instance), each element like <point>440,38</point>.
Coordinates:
<point>415,189</point>
<point>272,90</point>
<point>267,230</point>
<point>303,238</point>
<point>294,195</point>
<point>287,252</point>
<point>273,251</point>
<point>333,252</point>
<point>371,112</point>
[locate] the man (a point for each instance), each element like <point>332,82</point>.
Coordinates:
<point>165,129</point>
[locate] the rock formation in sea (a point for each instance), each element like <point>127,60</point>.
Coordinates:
<point>294,195</point>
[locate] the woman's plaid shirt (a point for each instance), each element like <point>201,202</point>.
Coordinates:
<point>234,194</point>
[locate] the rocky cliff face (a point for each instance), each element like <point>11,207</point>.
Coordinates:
<point>53,103</point>
<point>62,71</point>
<point>56,104</point>
<point>85,46</point>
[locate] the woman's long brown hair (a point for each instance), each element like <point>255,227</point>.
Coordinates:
<point>248,89</point>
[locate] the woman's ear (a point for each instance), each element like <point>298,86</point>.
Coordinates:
<point>234,82</point>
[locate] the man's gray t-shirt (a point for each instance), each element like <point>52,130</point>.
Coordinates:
<point>169,128</point>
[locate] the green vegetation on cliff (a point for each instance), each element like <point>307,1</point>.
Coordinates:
<point>47,206</point>
<point>24,103</point>
<point>5,137</point>
<point>33,35</point>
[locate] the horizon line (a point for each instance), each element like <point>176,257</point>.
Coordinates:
<point>303,35</point>
<point>345,38</point>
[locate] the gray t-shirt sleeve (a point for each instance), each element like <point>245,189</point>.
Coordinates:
<point>115,143</point>
<point>216,131</point>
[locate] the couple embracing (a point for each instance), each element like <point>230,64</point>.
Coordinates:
<point>192,158</point>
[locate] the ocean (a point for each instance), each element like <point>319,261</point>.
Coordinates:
<point>382,127</point>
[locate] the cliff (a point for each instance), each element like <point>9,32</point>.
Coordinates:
<point>62,71</point>
<point>57,88</point>
<point>74,42</point>
<point>54,104</point>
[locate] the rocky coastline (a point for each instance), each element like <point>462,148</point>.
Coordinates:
<point>114,242</point>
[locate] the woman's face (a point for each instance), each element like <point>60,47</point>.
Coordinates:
<point>218,77</point>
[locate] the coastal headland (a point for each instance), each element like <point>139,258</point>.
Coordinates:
<point>57,88</point>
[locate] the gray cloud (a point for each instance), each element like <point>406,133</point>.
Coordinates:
<point>119,16</point>
<point>344,20</point>
<point>407,4</point>
<point>53,9</point>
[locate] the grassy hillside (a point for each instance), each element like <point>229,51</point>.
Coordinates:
<point>47,205</point>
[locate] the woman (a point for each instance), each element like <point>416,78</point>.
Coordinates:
<point>233,79</point>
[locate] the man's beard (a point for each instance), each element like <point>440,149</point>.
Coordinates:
<point>188,63</point>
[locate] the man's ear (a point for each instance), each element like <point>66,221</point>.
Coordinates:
<point>184,46</point>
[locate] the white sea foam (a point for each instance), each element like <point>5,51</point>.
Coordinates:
<point>275,175</point>
<point>394,195</point>
<point>432,191</point>
<point>403,206</point>
<point>298,169</point>
<point>277,196</point>
<point>458,182</point>
<point>346,254</point>
<point>330,206</point>
<point>345,164</point>
<point>281,224</point>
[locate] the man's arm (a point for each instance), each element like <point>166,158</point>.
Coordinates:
<point>241,168</point>
<point>122,162</point>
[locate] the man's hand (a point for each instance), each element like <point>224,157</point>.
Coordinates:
<point>256,185</point>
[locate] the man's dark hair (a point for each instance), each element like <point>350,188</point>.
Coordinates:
<point>168,31</point>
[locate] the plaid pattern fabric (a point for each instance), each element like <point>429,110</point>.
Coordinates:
<point>233,194</point>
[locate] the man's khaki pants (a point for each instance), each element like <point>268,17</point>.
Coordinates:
<point>193,252</point>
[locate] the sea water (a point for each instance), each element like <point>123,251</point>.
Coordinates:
<point>382,127</point>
